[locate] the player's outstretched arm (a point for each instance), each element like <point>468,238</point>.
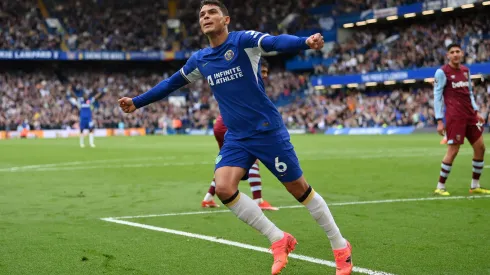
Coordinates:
<point>188,74</point>
<point>439,83</point>
<point>160,91</point>
<point>288,43</point>
<point>100,94</point>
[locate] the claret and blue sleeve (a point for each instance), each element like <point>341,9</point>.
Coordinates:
<point>439,84</point>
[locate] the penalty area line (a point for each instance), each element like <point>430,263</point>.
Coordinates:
<point>301,206</point>
<point>240,245</point>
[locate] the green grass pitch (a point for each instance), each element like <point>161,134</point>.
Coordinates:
<point>53,195</point>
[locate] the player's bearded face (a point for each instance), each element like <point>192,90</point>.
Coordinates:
<point>455,55</point>
<point>212,20</point>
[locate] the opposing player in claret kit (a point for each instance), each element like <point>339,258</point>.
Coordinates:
<point>255,127</point>
<point>453,89</point>
<point>253,176</point>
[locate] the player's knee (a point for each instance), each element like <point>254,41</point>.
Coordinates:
<point>452,152</point>
<point>227,179</point>
<point>480,149</point>
<point>224,191</point>
<point>298,187</point>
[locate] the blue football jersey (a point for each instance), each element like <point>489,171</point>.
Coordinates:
<point>232,70</point>
<point>233,73</point>
<point>85,106</point>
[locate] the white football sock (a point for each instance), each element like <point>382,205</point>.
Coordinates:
<point>321,213</point>
<point>208,197</point>
<point>443,175</point>
<point>248,211</point>
<point>475,184</point>
<point>82,137</point>
<point>91,138</point>
<point>477,170</point>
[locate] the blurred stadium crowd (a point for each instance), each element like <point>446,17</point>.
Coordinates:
<point>411,46</point>
<point>141,25</point>
<point>44,100</point>
<point>48,102</point>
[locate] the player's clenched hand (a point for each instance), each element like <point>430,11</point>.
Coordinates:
<point>440,128</point>
<point>315,41</point>
<point>480,118</point>
<point>127,104</point>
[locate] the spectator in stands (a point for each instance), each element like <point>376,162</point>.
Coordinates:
<point>411,46</point>
<point>42,99</point>
<point>22,28</point>
<point>350,6</point>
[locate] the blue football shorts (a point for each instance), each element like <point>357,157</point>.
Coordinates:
<point>86,124</point>
<point>272,148</point>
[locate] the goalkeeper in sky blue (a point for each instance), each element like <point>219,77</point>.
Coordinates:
<point>231,65</point>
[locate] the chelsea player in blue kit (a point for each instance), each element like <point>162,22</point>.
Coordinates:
<point>85,109</point>
<point>85,106</point>
<point>255,127</point>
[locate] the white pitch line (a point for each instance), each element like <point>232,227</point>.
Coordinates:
<point>301,206</point>
<point>173,214</point>
<point>115,166</point>
<point>398,200</point>
<point>241,245</point>
<point>70,166</point>
<point>72,163</point>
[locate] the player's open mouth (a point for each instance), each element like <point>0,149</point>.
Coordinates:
<point>208,24</point>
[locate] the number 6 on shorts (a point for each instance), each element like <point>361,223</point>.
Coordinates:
<point>281,167</point>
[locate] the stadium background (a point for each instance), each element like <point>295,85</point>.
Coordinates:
<point>374,71</point>
<point>373,77</point>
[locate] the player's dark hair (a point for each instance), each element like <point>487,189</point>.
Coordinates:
<point>218,3</point>
<point>453,45</point>
<point>264,63</point>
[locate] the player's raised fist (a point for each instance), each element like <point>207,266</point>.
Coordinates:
<point>315,41</point>
<point>127,104</point>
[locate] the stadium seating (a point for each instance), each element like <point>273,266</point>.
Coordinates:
<point>22,28</point>
<point>349,6</point>
<point>42,98</point>
<point>410,46</point>
<point>44,101</point>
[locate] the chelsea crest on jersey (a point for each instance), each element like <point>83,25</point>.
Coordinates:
<point>233,73</point>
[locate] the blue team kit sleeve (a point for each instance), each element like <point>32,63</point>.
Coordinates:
<point>268,43</point>
<point>161,90</point>
<point>189,73</point>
